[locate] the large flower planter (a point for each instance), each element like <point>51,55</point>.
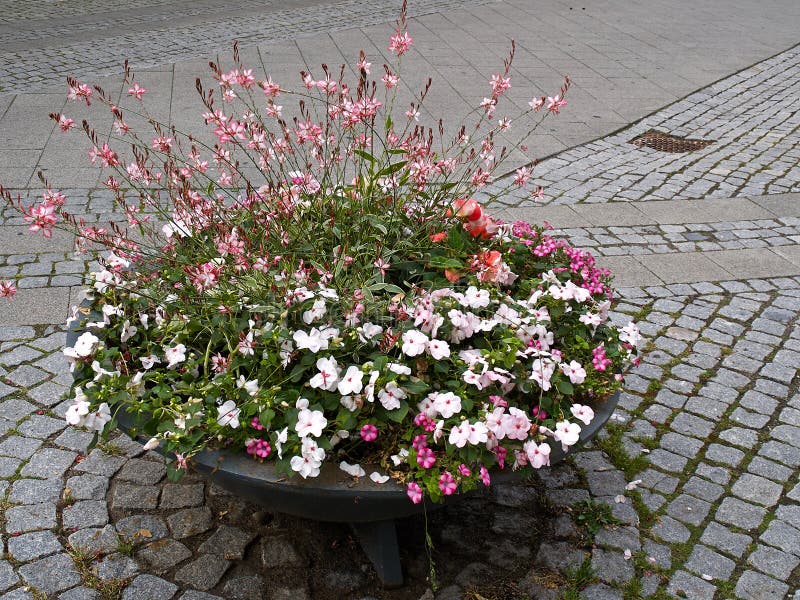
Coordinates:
<point>370,508</point>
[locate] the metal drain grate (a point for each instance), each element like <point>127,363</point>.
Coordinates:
<point>664,142</point>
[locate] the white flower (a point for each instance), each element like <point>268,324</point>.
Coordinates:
<point>633,484</point>
<point>368,331</point>
<point>310,459</point>
<point>414,343</point>
<point>175,355</point>
<point>353,470</point>
<point>590,319</point>
<point>475,298</point>
<point>439,349</point>
<point>251,387</point>
<point>98,419</point>
<point>149,361</point>
<point>228,414</point>
<point>77,411</point>
<point>541,372</point>
<point>630,335</point>
<point>391,395</point>
<point>538,454</point>
<point>315,340</point>
<point>378,478</point>
<point>477,432</point>
<point>446,404</point>
<point>567,433</point>
<point>310,422</point>
<point>280,440</point>
<point>151,444</point>
<point>101,372</point>
<point>459,435</point>
<point>575,371</point>
<point>398,368</point>
<point>84,347</point>
<point>316,312</point>
<point>582,413</point>
<point>328,376</point>
<point>103,279</point>
<point>351,381</point>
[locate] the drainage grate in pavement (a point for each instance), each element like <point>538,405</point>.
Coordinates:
<point>664,142</point>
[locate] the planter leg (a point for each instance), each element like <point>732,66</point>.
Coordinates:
<point>379,541</point>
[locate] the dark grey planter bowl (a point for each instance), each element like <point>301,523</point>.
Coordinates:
<point>334,496</point>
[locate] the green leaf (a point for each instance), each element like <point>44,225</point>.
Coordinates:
<point>365,155</point>
<point>565,387</point>
<point>398,414</point>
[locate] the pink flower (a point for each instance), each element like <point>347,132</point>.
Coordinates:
<point>425,458</point>
<point>485,476</point>
<point>400,42</point>
<point>42,218</point>
<point>259,448</point>
<point>65,123</point>
<point>599,360</point>
<point>137,91</point>
<point>7,289</point>
<point>369,433</point>
<point>80,90</point>
<point>414,492</point>
<point>463,470</point>
<point>256,424</point>
<point>554,103</point>
<point>420,442</point>
<point>447,484</point>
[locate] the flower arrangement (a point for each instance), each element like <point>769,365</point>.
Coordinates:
<point>324,287</point>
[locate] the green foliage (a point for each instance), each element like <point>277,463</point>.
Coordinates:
<point>593,516</point>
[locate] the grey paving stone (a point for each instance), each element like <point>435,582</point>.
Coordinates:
<point>740,514</point>
<point>689,509</point>
<point>80,593</point>
<point>19,447</point>
<point>623,538</point>
<point>174,495</point>
<point>142,528</point>
<point>783,536</point>
<point>48,463</point>
<point>724,539</point>
<point>149,587</point>
<point>99,463</point>
<point>724,454</point>
<point>600,591</point>
<point>684,585</point>
<point>8,576</point>
<point>163,555</point>
<point>30,546</point>
<point>279,552</point>
<point>670,530</point>
<point>773,562</point>
<point>681,444</point>
<point>87,487</point>
<point>203,573</point>
<point>770,469</point>
<point>142,472</point>
<point>667,460</point>
<point>190,521</point>
<point>14,409</point>
<point>782,453</point>
<point>49,393</point>
<point>74,439</point>
<point>85,513</point>
<point>135,496</point>
<point>757,490</point>
<point>52,574</point>
<point>738,436</point>
<point>660,553</point>
<point>196,595</point>
<point>8,466</point>
<point>755,586</point>
<point>116,566</point>
<point>41,426</point>
<point>34,491</point>
<point>30,517</point>
<point>606,483</point>
<point>704,561</point>
<point>252,586</point>
<point>612,566</point>
<point>703,489</point>
<point>228,542</point>
<point>101,540</point>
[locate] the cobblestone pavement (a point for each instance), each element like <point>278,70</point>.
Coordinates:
<point>752,117</point>
<point>693,490</point>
